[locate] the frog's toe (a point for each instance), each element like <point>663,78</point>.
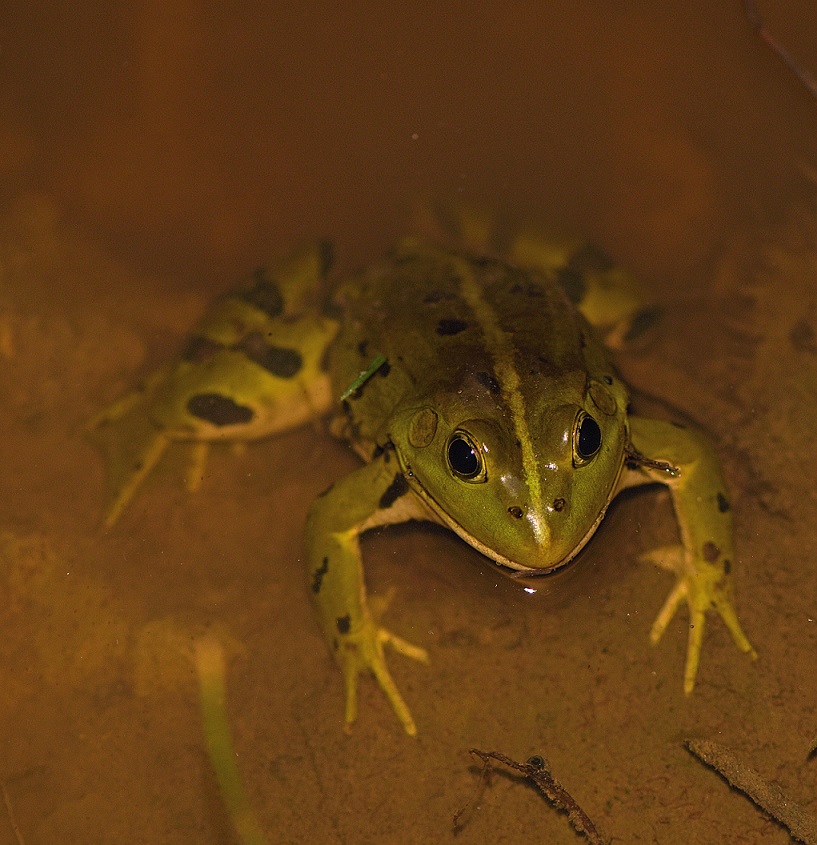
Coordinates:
<point>402,646</point>
<point>198,464</point>
<point>142,468</point>
<point>672,558</point>
<point>665,557</point>
<point>670,606</point>
<point>722,603</point>
<point>695,641</point>
<point>697,622</point>
<point>384,678</point>
<point>729,615</point>
<point>366,652</point>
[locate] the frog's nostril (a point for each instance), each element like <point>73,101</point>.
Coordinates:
<point>515,512</point>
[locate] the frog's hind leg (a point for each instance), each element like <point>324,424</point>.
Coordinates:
<point>608,296</point>
<point>468,226</point>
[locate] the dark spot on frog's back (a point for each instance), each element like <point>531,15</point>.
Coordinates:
<point>278,360</point>
<point>264,294</point>
<point>488,262</point>
<point>488,382</point>
<point>710,552</point>
<point>802,337</point>
<point>352,425</point>
<point>526,287</point>
<point>642,322</point>
<point>591,259</point>
<point>571,280</point>
<point>344,623</point>
<point>219,410</point>
<point>451,326</point>
<point>200,349</point>
<point>723,503</point>
<point>384,451</point>
<point>317,578</point>
<point>399,487</point>
<point>438,296</point>
<point>326,253</point>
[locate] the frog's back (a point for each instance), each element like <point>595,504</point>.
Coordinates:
<point>440,319</point>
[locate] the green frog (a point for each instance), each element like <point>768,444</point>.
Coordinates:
<point>479,396</point>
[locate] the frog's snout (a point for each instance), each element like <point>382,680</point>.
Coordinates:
<point>540,539</point>
<point>529,526</point>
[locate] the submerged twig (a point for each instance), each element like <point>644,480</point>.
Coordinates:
<point>537,770</point>
<point>767,796</point>
<point>484,777</point>
<point>785,56</point>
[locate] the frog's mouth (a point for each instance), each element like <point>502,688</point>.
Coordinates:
<point>523,572</point>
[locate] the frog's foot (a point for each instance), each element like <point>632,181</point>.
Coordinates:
<point>703,587</point>
<point>363,650</point>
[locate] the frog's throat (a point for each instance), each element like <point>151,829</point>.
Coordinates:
<point>439,515</point>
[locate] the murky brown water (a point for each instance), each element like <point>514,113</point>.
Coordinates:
<point>150,156</point>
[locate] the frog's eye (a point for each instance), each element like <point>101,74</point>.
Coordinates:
<point>586,439</point>
<point>465,457</point>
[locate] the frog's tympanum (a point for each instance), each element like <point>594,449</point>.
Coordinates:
<point>479,397</point>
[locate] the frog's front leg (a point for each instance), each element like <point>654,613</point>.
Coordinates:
<point>704,561</point>
<point>376,494</point>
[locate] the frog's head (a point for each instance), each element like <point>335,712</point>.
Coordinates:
<point>524,481</point>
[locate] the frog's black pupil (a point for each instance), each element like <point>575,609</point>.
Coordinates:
<point>462,457</point>
<point>589,438</point>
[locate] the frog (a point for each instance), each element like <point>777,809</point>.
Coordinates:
<point>479,394</point>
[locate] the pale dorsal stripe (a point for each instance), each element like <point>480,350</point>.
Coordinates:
<point>501,349</point>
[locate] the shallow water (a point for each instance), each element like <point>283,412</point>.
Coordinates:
<point>150,158</point>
